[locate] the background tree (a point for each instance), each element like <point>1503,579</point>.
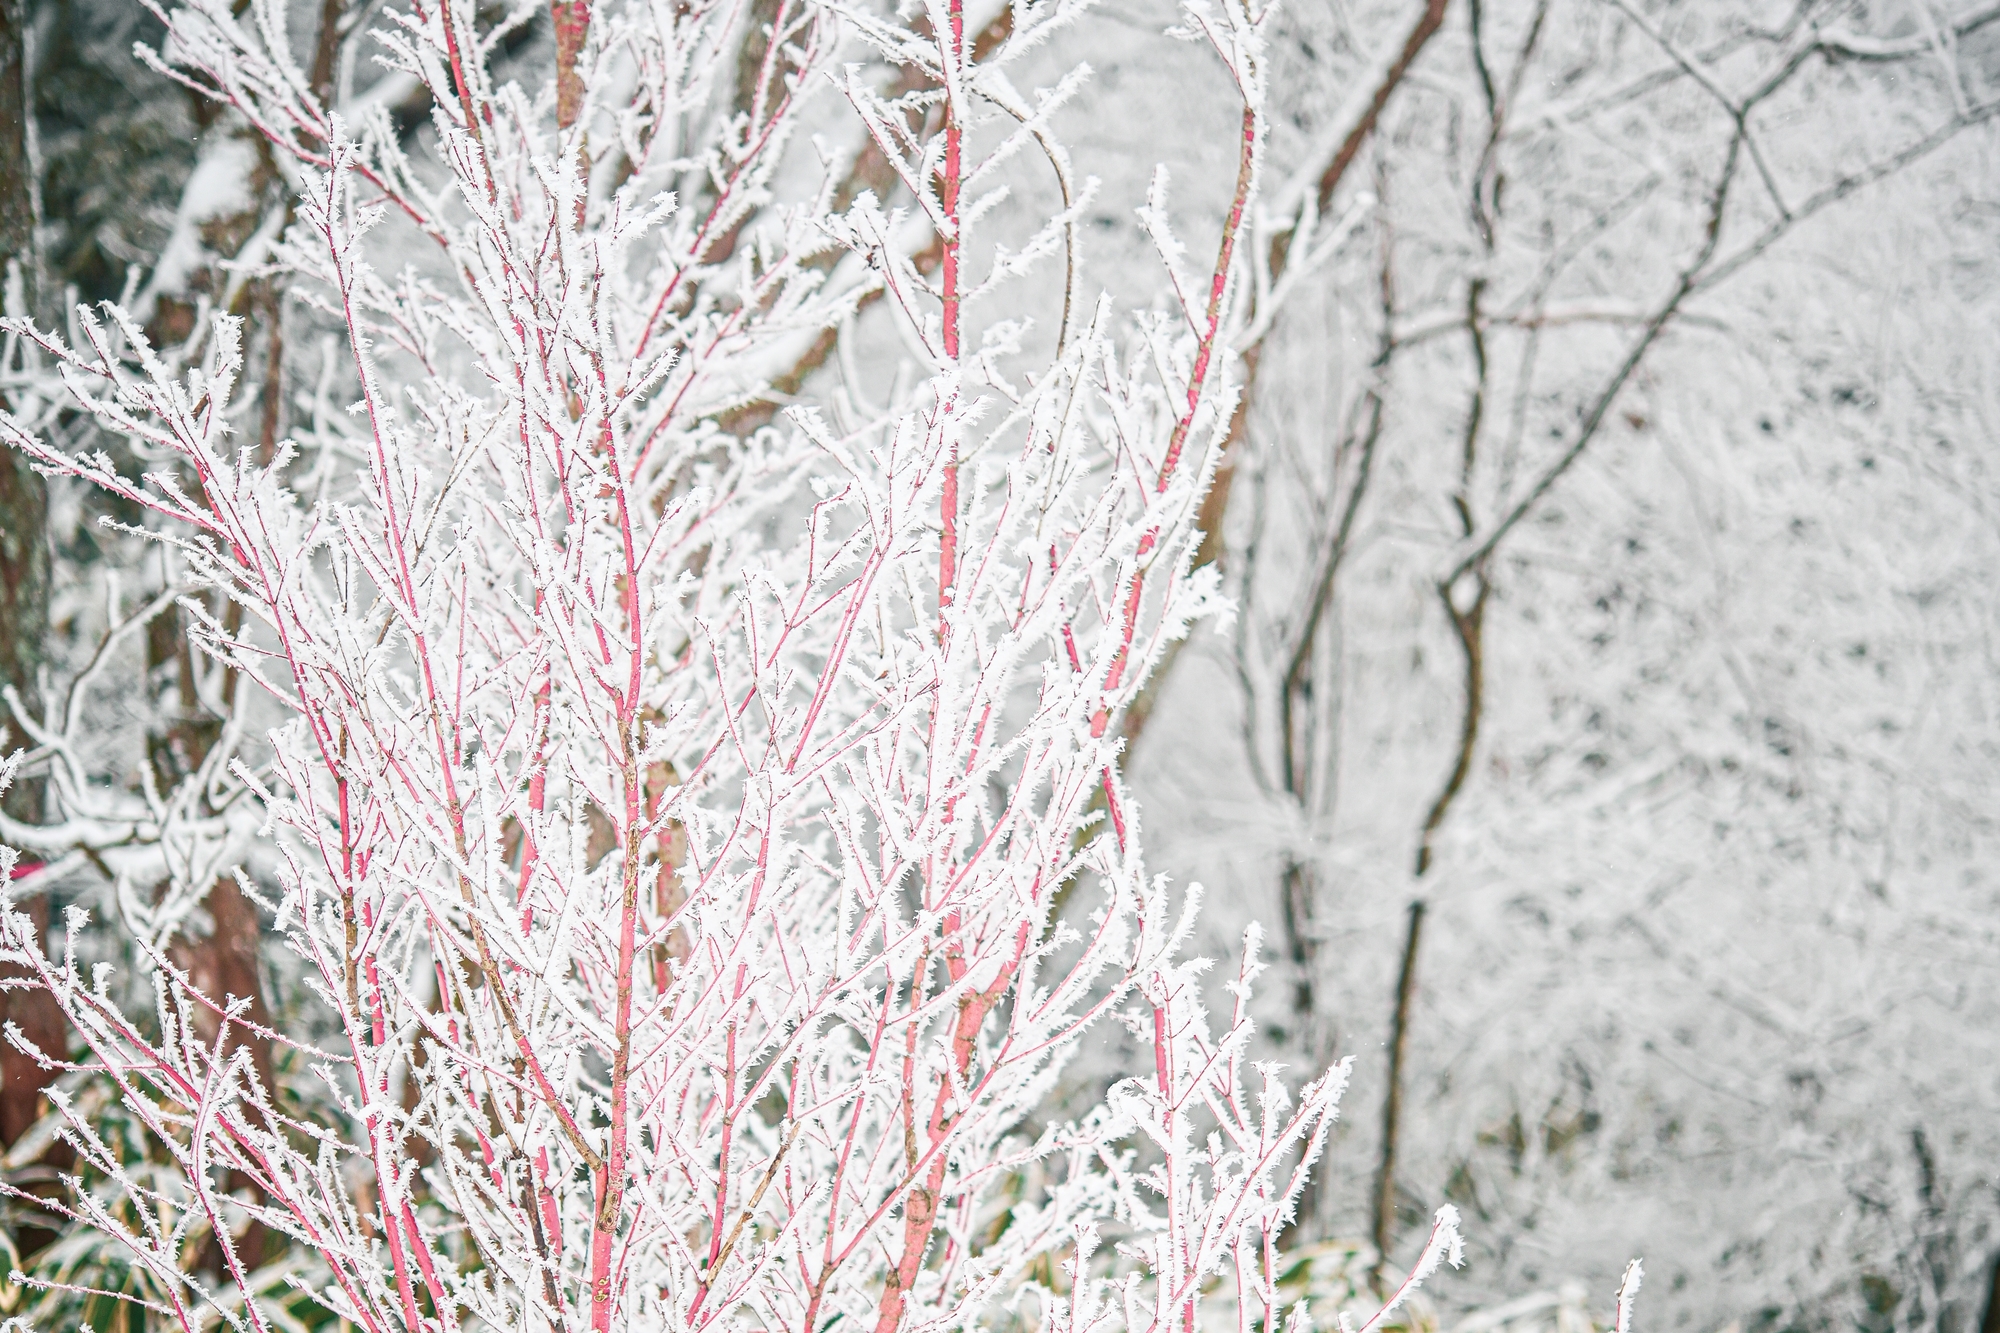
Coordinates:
<point>1609,257</point>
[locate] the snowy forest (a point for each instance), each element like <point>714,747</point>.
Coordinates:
<point>1076,665</point>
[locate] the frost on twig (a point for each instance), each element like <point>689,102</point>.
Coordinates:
<point>671,824</point>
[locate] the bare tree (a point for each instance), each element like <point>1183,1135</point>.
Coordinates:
<point>1573,204</point>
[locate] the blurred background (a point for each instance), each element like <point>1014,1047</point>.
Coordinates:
<point>1605,725</point>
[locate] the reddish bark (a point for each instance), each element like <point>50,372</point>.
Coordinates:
<point>40,1022</point>
<point>24,581</point>
<point>1216,503</point>
<point>223,966</point>
<point>572,25</point>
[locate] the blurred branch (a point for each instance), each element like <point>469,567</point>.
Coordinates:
<point>1392,1104</point>
<point>1323,169</point>
<point>1340,145</point>
<point>1703,273</point>
<point>1837,45</point>
<point>1841,189</point>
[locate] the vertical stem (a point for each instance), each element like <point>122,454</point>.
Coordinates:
<point>326,51</point>
<point>1991,1323</point>
<point>954,143</point>
<point>24,576</point>
<point>948,536</point>
<point>1163,1078</point>
<point>920,1205</point>
<point>954,166</point>
<point>1469,623</point>
<point>538,782</point>
<point>611,1173</point>
<point>1246,167</point>
<point>456,60</point>
<point>24,505</point>
<point>1246,174</point>
<point>1392,1104</point>
<point>572,24</point>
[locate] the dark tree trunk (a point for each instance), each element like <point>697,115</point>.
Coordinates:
<point>1392,1102</point>
<point>24,618</point>
<point>24,561</point>
<point>17,196</point>
<point>24,502</point>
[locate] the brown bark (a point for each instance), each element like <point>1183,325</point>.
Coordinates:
<point>326,51</point>
<point>1469,626</point>
<point>222,963</point>
<point>223,966</point>
<point>24,623</point>
<point>572,24</point>
<point>24,602</point>
<point>35,1015</point>
<point>24,571</point>
<point>24,559</point>
<point>40,1022</point>
<point>1426,28</point>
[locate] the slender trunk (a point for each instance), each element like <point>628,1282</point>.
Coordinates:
<point>1301,941</point>
<point>24,503</point>
<point>34,1016</point>
<point>1314,1032</point>
<point>1392,1103</point>
<point>1469,626</point>
<point>17,193</point>
<point>24,556</point>
<point>571,20</point>
<point>24,608</point>
<point>920,1205</point>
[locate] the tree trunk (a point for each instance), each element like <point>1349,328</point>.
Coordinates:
<point>24,612</point>
<point>24,503</point>
<point>1392,1102</point>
